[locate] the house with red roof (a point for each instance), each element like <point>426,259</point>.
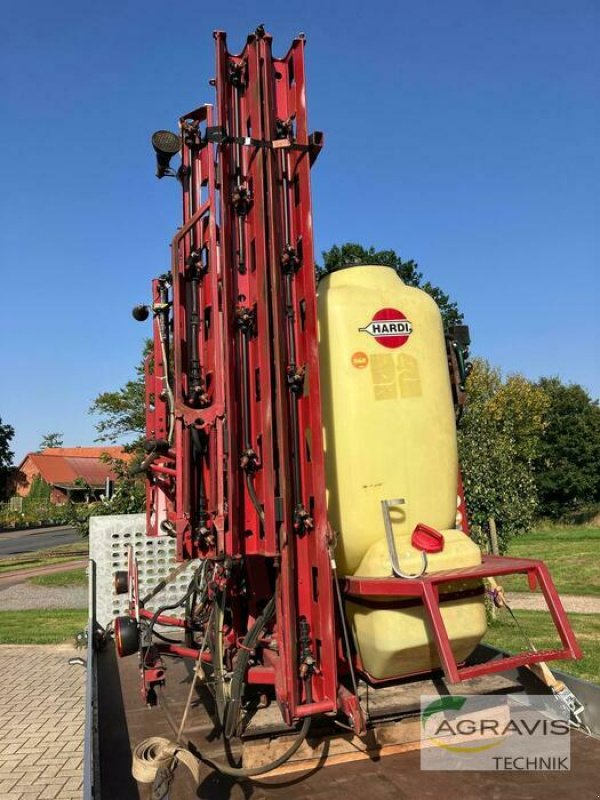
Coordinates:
<point>71,473</point>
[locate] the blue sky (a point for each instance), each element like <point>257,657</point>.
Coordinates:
<point>462,134</point>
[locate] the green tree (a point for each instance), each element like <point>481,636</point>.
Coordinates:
<point>350,253</point>
<point>499,439</point>
<point>122,412</point>
<point>37,501</point>
<point>39,491</point>
<point>7,433</point>
<point>568,466</point>
<point>51,440</point>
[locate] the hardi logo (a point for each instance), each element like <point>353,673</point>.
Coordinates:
<point>389,327</point>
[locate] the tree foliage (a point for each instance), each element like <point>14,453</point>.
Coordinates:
<point>7,433</point>
<point>51,440</point>
<point>350,253</point>
<point>122,412</point>
<point>39,490</point>
<point>568,465</point>
<point>498,441</point>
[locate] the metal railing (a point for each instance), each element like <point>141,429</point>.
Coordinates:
<point>91,761</point>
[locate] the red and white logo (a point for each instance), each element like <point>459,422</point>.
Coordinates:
<point>389,327</point>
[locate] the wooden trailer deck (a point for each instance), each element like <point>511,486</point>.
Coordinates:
<point>123,721</point>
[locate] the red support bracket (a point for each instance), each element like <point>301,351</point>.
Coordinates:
<point>427,589</point>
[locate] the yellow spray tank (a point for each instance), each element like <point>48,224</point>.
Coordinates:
<point>389,432</point>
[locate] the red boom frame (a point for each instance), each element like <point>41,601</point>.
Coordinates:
<point>245,363</point>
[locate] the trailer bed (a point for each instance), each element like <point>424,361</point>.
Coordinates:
<point>124,721</point>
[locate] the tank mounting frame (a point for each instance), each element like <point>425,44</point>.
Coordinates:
<point>426,589</point>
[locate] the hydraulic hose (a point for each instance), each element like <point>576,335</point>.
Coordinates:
<point>249,772</point>
<point>237,683</point>
<point>156,754</point>
<point>194,585</point>
<point>253,497</point>
<point>162,336</point>
<point>199,448</point>
<point>239,672</point>
<point>221,699</point>
<point>165,638</point>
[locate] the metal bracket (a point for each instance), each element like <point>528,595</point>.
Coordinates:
<point>386,505</point>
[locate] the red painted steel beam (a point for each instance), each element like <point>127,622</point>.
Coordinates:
<point>427,588</point>
<point>260,675</point>
<point>511,662</point>
<point>273,421</point>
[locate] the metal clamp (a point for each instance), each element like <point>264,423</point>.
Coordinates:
<point>386,505</point>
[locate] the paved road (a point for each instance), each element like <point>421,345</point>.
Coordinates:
<point>15,542</point>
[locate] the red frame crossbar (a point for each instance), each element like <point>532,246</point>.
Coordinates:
<point>427,589</point>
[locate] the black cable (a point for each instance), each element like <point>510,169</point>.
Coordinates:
<point>192,587</point>
<point>165,638</point>
<point>199,442</point>
<point>236,687</point>
<point>240,772</point>
<point>338,593</point>
<point>254,498</point>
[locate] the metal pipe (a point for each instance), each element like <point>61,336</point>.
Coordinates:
<point>163,470</point>
<point>391,542</point>
<point>162,620</point>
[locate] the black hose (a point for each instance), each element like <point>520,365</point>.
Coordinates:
<point>240,772</point>
<point>239,672</point>
<point>192,587</point>
<point>165,638</point>
<point>253,497</point>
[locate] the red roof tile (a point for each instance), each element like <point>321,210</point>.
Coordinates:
<point>93,471</point>
<point>53,469</point>
<point>63,466</point>
<point>85,452</point>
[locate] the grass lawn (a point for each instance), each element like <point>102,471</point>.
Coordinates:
<point>572,555</point>
<point>71,577</point>
<point>37,626</point>
<point>42,558</point>
<point>539,627</point>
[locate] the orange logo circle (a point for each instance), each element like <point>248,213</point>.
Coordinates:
<point>360,360</point>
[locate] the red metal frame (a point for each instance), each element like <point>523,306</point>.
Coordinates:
<point>245,252</point>
<point>427,590</point>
